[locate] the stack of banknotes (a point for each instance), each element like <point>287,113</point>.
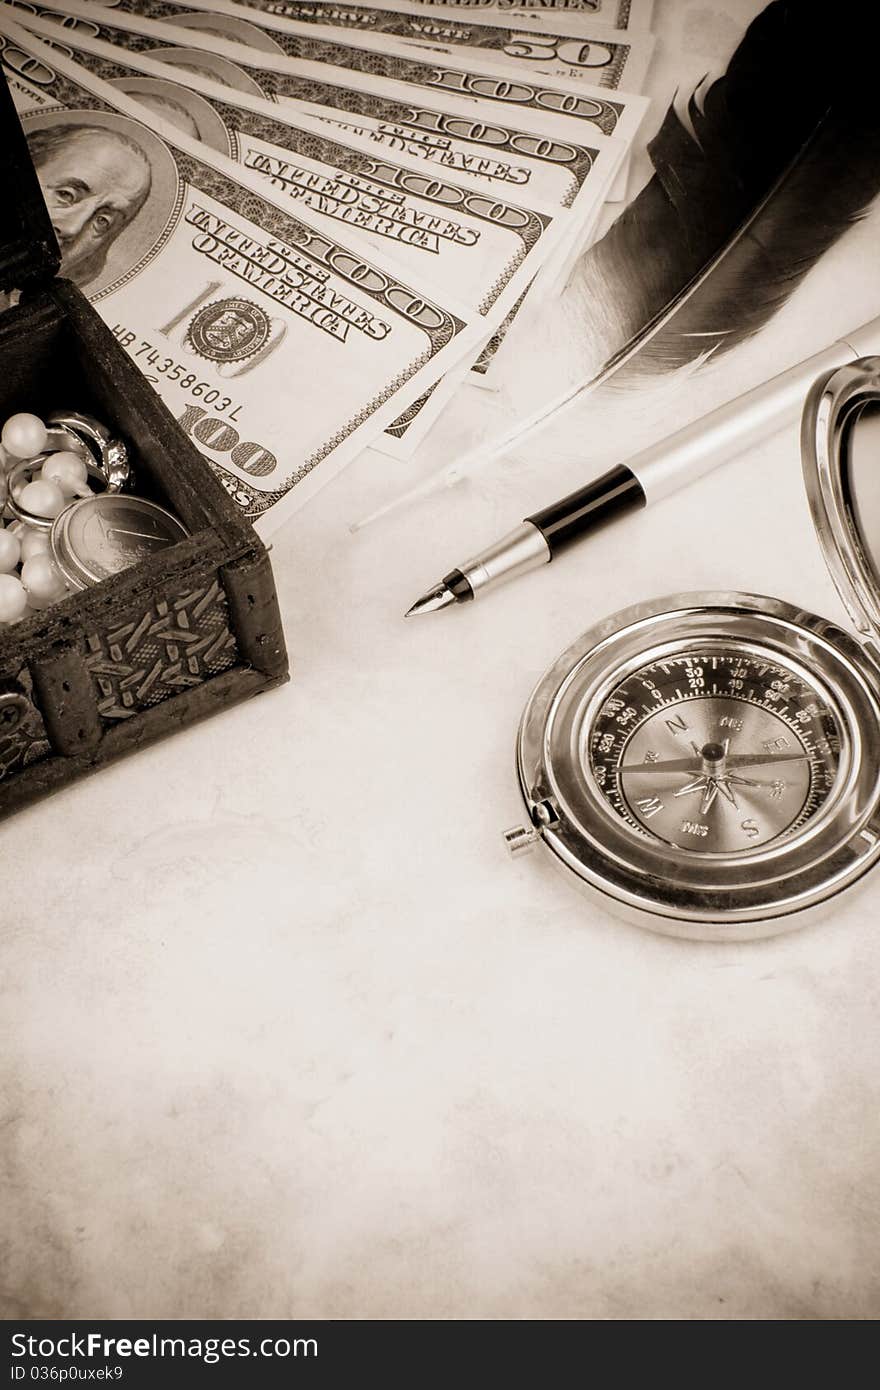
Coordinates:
<point>311,223</point>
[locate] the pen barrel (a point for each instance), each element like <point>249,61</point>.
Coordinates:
<point>733,428</point>
<point>865,341</point>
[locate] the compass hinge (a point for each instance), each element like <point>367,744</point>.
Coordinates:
<point>520,839</point>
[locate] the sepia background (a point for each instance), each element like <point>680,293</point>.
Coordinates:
<point>286,1034</point>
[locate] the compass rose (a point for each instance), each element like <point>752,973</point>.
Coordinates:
<point>714,778</point>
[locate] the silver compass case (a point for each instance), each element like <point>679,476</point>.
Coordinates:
<point>709,764</point>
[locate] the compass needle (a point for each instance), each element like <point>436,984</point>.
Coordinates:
<point>765,759</point>
<point>677,765</point>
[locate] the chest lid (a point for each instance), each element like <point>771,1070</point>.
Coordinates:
<point>29,251</point>
<point>840,447</point>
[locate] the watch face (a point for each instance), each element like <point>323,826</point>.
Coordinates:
<point>718,750</point>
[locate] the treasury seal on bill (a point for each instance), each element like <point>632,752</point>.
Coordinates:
<point>228,330</point>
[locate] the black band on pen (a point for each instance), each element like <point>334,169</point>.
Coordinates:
<point>618,491</point>
<point>458,585</point>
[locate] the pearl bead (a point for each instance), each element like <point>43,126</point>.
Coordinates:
<point>41,579</point>
<point>69,471</point>
<point>10,551</point>
<point>41,498</point>
<point>24,435</point>
<point>13,599</point>
<point>33,542</point>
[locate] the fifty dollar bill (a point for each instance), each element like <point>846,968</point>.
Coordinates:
<point>617,14</point>
<point>481,76</point>
<point>579,49</point>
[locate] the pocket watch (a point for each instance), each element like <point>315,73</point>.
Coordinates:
<point>709,764</point>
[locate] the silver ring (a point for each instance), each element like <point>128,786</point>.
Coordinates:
<point>59,440</point>
<point>109,452</point>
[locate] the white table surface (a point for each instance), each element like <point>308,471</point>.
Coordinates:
<point>287,1034</point>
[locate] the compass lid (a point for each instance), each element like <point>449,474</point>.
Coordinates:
<point>840,449</point>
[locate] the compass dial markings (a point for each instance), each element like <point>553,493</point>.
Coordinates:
<point>753,713</point>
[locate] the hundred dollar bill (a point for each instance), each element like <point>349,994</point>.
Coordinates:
<point>468,244</point>
<point>579,48</point>
<point>531,155</point>
<point>281,348</point>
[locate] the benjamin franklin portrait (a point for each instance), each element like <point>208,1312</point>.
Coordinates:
<point>95,180</point>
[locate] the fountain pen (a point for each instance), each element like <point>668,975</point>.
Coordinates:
<point>648,476</point>
<point>538,539</point>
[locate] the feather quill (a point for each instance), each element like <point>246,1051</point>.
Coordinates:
<point>780,161</point>
<point>777,159</point>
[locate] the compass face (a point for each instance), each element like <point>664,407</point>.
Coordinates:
<point>715,750</point>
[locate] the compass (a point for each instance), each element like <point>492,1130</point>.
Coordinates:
<point>710,763</point>
<point>715,747</point>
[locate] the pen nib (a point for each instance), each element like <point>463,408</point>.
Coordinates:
<point>437,597</point>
